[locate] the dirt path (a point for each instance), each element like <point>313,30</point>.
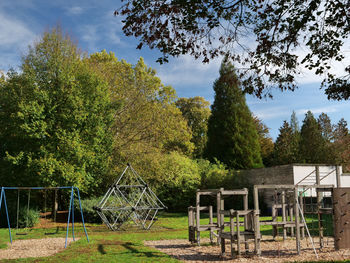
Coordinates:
<point>272,251</point>
<point>34,248</point>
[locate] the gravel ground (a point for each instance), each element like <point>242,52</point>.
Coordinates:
<point>272,251</point>
<point>34,248</point>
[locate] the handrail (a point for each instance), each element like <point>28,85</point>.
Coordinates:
<point>306,177</point>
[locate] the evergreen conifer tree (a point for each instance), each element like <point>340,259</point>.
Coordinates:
<point>232,135</point>
<point>312,143</point>
<point>295,139</point>
<point>284,152</point>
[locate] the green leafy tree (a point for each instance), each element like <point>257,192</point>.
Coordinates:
<point>148,125</point>
<point>196,111</point>
<point>208,29</point>
<point>265,141</point>
<point>56,117</point>
<point>232,135</point>
<point>312,144</point>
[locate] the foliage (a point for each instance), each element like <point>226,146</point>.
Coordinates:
<point>179,182</point>
<point>148,124</point>
<point>207,29</point>
<point>90,215</point>
<point>56,116</point>
<point>326,126</point>
<point>196,111</point>
<point>213,175</point>
<point>26,217</point>
<point>284,151</point>
<point>342,145</point>
<point>232,135</point>
<point>312,144</point>
<point>265,141</point>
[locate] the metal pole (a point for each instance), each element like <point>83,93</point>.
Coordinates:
<point>73,214</point>
<point>82,215</point>
<point>70,206</point>
<point>7,214</point>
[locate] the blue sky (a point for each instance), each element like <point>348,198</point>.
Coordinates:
<point>93,26</point>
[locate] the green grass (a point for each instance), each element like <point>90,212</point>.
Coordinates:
<point>119,246</point>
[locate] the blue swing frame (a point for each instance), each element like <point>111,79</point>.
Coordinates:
<point>70,212</point>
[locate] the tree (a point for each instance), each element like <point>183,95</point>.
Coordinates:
<point>148,125</point>
<point>56,117</point>
<point>196,111</point>
<point>265,141</point>
<point>326,126</point>
<point>207,29</point>
<point>342,144</point>
<point>232,135</point>
<point>284,150</point>
<point>295,140</point>
<point>341,129</point>
<point>312,144</point>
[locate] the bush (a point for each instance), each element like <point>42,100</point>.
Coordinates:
<point>32,215</point>
<point>90,215</point>
<point>213,175</point>
<point>26,218</point>
<point>180,180</point>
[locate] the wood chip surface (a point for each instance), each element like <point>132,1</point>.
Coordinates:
<point>34,248</point>
<point>272,251</point>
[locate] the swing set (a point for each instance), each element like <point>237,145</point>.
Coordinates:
<point>74,190</point>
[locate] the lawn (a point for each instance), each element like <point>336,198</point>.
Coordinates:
<point>107,246</point>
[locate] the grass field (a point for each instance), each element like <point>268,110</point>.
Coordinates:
<point>107,246</point>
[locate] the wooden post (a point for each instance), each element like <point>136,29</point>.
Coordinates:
<point>218,198</point>
<point>232,232</point>
<point>291,217</point>
<point>222,206</point>
<point>319,205</point>
<point>190,224</point>
<point>55,206</point>
<point>238,235</point>
<point>257,221</point>
<point>211,223</point>
<point>284,218</point>
<point>245,207</point>
<point>337,173</point>
<point>198,217</point>
<point>297,220</point>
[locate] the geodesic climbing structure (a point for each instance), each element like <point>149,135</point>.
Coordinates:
<point>129,199</point>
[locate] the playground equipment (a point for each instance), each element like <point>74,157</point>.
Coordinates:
<point>129,198</point>
<point>74,190</point>
<point>235,235</point>
<point>288,204</point>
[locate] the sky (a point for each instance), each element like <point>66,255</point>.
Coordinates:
<point>94,27</point>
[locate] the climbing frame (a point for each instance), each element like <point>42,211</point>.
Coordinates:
<point>129,199</point>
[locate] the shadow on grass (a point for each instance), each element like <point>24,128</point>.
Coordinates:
<point>101,249</point>
<point>130,248</point>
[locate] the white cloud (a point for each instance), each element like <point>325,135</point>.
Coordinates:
<point>74,10</point>
<point>14,33</point>
<point>186,69</point>
<point>325,109</point>
<point>272,113</point>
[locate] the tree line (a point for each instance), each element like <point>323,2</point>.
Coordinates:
<point>72,118</point>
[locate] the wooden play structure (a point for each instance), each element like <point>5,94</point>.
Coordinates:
<point>287,205</point>
<point>237,219</point>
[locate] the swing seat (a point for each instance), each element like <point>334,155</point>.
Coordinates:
<point>21,234</point>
